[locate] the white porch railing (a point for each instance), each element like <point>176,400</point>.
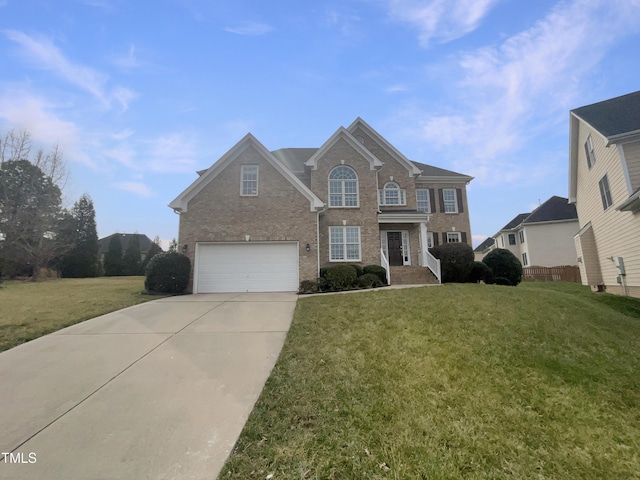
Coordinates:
<point>385,263</point>
<point>434,264</point>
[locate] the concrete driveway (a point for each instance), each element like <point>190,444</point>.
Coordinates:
<point>156,391</point>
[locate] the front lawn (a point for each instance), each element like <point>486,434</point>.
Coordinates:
<point>467,381</point>
<point>31,309</point>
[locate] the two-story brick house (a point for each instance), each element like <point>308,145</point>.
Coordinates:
<point>263,221</point>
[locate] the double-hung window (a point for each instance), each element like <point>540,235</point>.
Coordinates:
<point>344,244</point>
<point>588,150</point>
<point>423,202</point>
<point>605,193</point>
<point>450,200</point>
<point>525,260</point>
<point>343,187</point>
<point>392,194</point>
<point>249,183</point>
<point>512,239</point>
<point>521,233</point>
<point>454,237</point>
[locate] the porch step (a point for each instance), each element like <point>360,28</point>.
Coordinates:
<point>412,275</point>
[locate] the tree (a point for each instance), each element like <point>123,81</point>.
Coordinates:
<point>154,249</point>
<point>82,260</point>
<point>131,259</point>
<point>504,265</point>
<point>113,265</point>
<point>31,216</point>
<point>456,261</point>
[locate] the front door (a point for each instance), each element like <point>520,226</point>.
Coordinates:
<point>394,246</point>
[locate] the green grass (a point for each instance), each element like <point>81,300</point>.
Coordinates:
<point>541,381</point>
<point>31,309</point>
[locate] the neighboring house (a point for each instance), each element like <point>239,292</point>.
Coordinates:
<point>103,244</point>
<point>604,184</point>
<point>264,221</point>
<point>485,247</point>
<point>544,237</point>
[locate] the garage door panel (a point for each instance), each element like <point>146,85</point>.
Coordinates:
<point>247,267</point>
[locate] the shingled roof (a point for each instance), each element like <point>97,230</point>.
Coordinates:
<point>488,242</point>
<point>515,222</point>
<point>553,210</point>
<point>613,117</point>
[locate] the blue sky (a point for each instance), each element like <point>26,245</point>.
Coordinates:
<point>139,95</point>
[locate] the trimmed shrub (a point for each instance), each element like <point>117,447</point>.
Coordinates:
<point>341,277</point>
<point>480,272</point>
<point>308,286</point>
<point>323,272</point>
<point>378,270</point>
<point>456,261</point>
<point>359,270</point>
<point>323,284</point>
<point>168,273</point>
<point>369,280</point>
<point>505,264</point>
<point>502,281</point>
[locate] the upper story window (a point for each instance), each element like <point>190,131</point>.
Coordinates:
<point>450,200</point>
<point>454,237</point>
<point>423,202</point>
<point>521,233</point>
<point>512,239</point>
<point>605,193</point>
<point>588,150</point>
<point>343,187</point>
<point>249,182</point>
<point>392,194</point>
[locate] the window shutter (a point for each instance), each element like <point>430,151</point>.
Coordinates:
<point>444,236</point>
<point>441,198</point>
<point>432,201</point>
<point>460,207</point>
<point>435,239</point>
<point>464,237</point>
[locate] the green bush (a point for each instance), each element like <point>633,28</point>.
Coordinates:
<point>504,264</point>
<point>456,261</point>
<point>480,272</point>
<point>369,280</point>
<point>359,270</point>
<point>341,277</point>
<point>377,270</point>
<point>308,286</point>
<point>168,273</point>
<point>323,272</point>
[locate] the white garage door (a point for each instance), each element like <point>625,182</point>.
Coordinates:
<point>246,267</point>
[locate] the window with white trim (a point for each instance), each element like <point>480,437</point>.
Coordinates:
<point>590,154</point>
<point>423,202</point>
<point>521,233</point>
<point>450,200</point>
<point>605,193</point>
<point>344,244</point>
<point>249,183</point>
<point>525,260</point>
<point>429,239</point>
<point>392,194</point>
<point>343,187</point>
<point>454,237</point>
<point>512,239</point>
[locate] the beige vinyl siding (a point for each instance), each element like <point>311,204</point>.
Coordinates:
<point>616,233</point>
<point>589,263</point>
<point>551,244</point>
<point>632,156</point>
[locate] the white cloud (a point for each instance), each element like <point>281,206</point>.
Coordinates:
<point>137,188</point>
<point>42,53</point>
<point>509,93</point>
<point>24,111</point>
<point>173,153</point>
<point>250,28</point>
<point>128,60</point>
<point>441,20</point>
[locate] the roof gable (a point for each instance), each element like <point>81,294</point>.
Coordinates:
<point>343,134</point>
<point>614,117</point>
<point>553,210</point>
<point>412,169</point>
<point>180,203</point>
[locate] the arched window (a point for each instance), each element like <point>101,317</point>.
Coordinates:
<point>392,194</point>
<point>343,187</point>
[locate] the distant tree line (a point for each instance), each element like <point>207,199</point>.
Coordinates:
<point>130,262</point>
